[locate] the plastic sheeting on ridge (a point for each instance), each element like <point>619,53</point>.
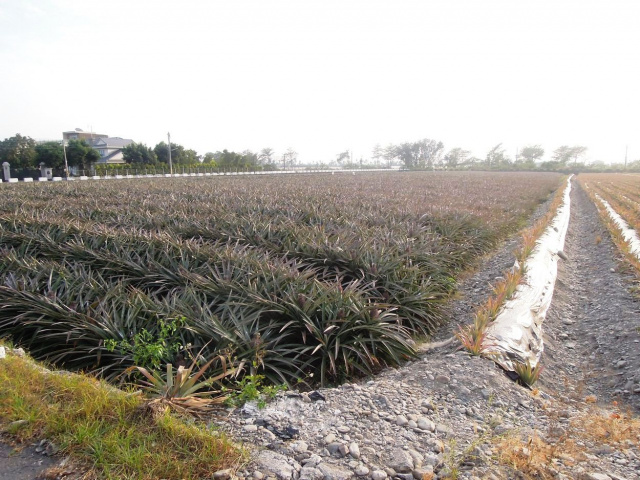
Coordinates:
<point>629,234</point>
<point>516,333</point>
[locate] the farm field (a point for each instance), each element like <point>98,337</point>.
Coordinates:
<point>312,278</point>
<point>622,193</point>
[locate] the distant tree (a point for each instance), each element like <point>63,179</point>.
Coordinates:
<point>342,156</point>
<point>390,153</point>
<point>421,154</point>
<point>19,151</point>
<point>210,157</point>
<point>179,155</point>
<point>377,153</point>
<point>139,154</point>
<point>496,157</point>
<point>577,151</point>
<point>290,157</point>
<point>531,153</point>
<point>564,154</point>
<point>266,156</point>
<point>80,154</point>
<point>249,159</point>
<point>191,157</point>
<point>456,156</point>
<point>162,152</point>
<point>51,154</point>
<point>229,159</point>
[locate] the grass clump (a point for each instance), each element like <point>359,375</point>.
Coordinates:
<point>109,431</point>
<point>528,375</point>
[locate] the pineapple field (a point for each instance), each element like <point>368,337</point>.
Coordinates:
<point>305,278</point>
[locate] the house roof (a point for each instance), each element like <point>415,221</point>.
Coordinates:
<point>114,142</point>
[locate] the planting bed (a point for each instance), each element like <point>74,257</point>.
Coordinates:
<point>312,277</point>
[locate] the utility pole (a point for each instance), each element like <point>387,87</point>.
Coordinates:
<point>169,148</point>
<point>626,151</point>
<point>66,164</point>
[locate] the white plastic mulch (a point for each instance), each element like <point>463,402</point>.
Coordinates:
<point>516,333</point>
<point>629,234</point>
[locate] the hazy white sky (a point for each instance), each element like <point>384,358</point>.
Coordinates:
<point>325,76</point>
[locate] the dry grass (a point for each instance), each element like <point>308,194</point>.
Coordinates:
<point>540,456</point>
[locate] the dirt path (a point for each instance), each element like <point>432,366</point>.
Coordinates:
<point>24,464</point>
<point>592,344</point>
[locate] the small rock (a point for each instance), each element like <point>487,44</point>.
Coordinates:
<point>597,476</point>
<point>334,472</point>
<point>300,446</point>
<point>401,461</point>
<point>401,420</point>
<point>362,471</point>
<point>18,423</point>
<point>354,450</point>
<point>405,476</point>
<point>343,450</point>
<point>344,429</point>
<point>222,474</point>
<point>250,428</point>
<point>378,475</point>
<point>276,463</point>
<point>422,472</point>
<point>329,439</point>
<point>18,352</point>
<point>258,475</point>
<point>334,447</point>
<point>425,424</point>
<point>3,352</point>
<point>310,473</point>
<point>444,379</point>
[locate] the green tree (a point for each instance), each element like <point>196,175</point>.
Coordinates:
<point>230,160</point>
<point>210,158</point>
<point>51,154</point>
<point>190,157</point>
<point>162,153</point>
<point>179,155</point>
<point>266,156</point>
<point>564,154</point>
<point>455,157</point>
<point>80,154</point>
<point>424,153</point>
<point>19,151</point>
<point>342,156</point>
<point>496,157</point>
<point>531,153</point>
<point>139,154</point>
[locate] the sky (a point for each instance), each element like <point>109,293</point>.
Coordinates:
<point>323,77</point>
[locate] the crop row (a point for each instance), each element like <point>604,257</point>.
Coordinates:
<point>622,191</point>
<point>317,277</point>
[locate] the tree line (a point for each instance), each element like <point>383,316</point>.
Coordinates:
<point>427,153</point>
<point>24,153</point>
